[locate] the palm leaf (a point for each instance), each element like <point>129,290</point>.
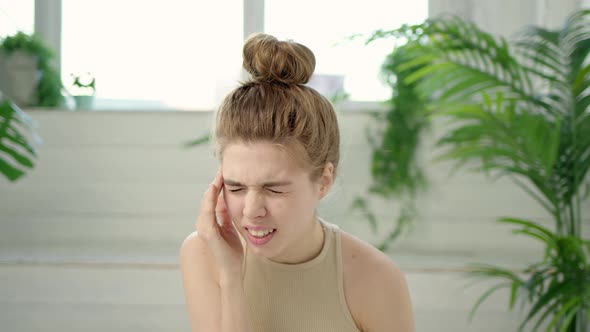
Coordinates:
<point>543,201</point>
<point>547,312</point>
<point>17,151</point>
<point>360,203</point>
<point>568,320</point>
<point>478,55</point>
<point>204,139</point>
<point>549,300</point>
<point>544,232</point>
<point>513,294</point>
<point>485,270</point>
<point>484,296</point>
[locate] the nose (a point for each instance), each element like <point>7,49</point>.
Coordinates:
<point>254,206</point>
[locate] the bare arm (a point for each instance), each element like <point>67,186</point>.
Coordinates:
<point>233,313</point>
<point>210,262</point>
<point>213,305</point>
<point>389,307</point>
<point>201,289</point>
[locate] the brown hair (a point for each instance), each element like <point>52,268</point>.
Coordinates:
<point>275,105</point>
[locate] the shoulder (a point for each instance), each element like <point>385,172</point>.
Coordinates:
<point>194,254</point>
<point>192,247</point>
<point>373,285</point>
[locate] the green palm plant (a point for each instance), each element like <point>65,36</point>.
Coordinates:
<point>17,141</point>
<point>517,109</point>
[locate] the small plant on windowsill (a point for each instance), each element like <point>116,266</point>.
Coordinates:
<point>83,90</point>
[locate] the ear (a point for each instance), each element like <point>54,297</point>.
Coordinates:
<point>327,179</point>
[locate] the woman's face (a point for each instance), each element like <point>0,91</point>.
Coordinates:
<point>265,189</point>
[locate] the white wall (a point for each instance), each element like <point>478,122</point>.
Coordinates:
<point>506,17</point>
<point>89,239</point>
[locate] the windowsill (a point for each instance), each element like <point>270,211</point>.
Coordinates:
<point>113,110</point>
<point>344,106</point>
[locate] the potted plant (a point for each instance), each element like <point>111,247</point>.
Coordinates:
<point>17,141</point>
<point>83,90</point>
<point>26,73</point>
<point>517,109</point>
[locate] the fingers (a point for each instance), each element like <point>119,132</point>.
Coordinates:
<point>221,211</point>
<point>218,181</point>
<point>207,220</point>
<point>209,201</point>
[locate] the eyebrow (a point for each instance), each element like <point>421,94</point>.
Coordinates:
<point>229,182</point>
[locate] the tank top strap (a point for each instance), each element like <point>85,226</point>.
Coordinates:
<point>329,226</point>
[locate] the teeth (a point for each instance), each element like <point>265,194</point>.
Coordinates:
<point>260,233</point>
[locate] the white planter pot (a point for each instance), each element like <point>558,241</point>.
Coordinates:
<point>19,77</point>
<point>84,102</point>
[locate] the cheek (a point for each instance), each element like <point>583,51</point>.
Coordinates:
<point>233,204</point>
<point>290,207</point>
<point>279,206</point>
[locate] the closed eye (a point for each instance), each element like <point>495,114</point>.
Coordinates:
<point>270,190</point>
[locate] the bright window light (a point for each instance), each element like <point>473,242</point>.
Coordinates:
<point>178,54</point>
<point>322,24</point>
<point>16,16</point>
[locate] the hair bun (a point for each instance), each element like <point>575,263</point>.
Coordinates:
<point>269,60</point>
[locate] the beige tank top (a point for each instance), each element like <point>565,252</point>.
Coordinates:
<point>306,297</point>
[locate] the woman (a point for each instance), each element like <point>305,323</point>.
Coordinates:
<point>261,260</point>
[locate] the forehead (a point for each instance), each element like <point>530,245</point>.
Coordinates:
<point>259,162</point>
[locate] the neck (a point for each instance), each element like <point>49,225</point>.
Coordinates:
<point>305,249</point>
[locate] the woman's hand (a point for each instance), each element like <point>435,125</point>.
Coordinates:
<point>219,233</point>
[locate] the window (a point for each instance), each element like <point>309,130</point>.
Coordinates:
<point>185,54</point>
<point>179,54</point>
<point>16,16</point>
<point>322,24</point>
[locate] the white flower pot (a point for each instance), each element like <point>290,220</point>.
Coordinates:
<point>19,77</point>
<point>84,102</point>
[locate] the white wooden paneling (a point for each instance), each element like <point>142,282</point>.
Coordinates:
<point>102,298</point>
<point>89,239</point>
<point>107,179</point>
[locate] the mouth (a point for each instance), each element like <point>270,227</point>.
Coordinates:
<point>260,237</point>
<point>260,233</point>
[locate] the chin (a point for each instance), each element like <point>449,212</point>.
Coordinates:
<point>266,252</point>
